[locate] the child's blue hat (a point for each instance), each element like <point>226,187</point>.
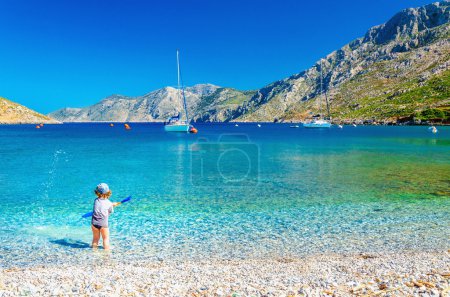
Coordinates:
<point>102,188</point>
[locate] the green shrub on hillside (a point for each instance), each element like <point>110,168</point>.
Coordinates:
<point>433,113</point>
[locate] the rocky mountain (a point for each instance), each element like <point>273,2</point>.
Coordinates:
<point>13,113</point>
<point>400,69</point>
<point>204,101</point>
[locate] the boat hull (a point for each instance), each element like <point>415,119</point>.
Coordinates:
<point>177,128</point>
<point>317,125</point>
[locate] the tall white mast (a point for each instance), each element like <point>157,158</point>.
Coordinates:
<point>180,87</point>
<point>179,79</point>
<point>321,90</point>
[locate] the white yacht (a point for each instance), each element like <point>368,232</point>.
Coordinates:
<point>320,121</point>
<point>175,123</point>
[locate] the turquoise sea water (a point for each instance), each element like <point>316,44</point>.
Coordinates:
<point>226,192</point>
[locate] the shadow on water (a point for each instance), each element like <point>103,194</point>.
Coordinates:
<point>76,244</point>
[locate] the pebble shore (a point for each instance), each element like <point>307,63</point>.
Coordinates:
<point>387,274</point>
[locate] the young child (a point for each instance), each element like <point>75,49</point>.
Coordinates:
<point>102,209</point>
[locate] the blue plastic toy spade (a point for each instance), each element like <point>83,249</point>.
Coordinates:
<point>89,214</point>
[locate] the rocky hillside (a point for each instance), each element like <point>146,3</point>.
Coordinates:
<point>204,101</point>
<point>221,105</point>
<point>400,69</point>
<point>13,113</point>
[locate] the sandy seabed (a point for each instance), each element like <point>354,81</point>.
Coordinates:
<point>377,274</point>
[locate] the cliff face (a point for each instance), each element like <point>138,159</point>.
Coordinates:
<point>13,113</point>
<point>221,105</point>
<point>397,69</point>
<point>205,102</point>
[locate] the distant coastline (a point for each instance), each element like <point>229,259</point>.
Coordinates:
<point>347,123</point>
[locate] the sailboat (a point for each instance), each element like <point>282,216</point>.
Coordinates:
<point>175,123</point>
<point>319,122</point>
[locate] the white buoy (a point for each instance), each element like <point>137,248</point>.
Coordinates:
<point>434,130</point>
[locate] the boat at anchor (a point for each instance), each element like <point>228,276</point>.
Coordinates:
<point>320,121</point>
<point>176,123</point>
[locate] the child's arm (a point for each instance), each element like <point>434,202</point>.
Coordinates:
<point>123,201</point>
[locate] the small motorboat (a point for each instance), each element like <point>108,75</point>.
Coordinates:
<point>340,126</point>
<point>294,126</point>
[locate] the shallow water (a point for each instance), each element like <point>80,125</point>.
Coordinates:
<point>226,192</point>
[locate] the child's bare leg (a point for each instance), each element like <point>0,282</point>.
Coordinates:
<point>105,237</point>
<point>95,236</point>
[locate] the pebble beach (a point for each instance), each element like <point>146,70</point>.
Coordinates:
<point>377,274</point>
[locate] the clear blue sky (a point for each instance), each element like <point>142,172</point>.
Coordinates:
<point>61,53</point>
